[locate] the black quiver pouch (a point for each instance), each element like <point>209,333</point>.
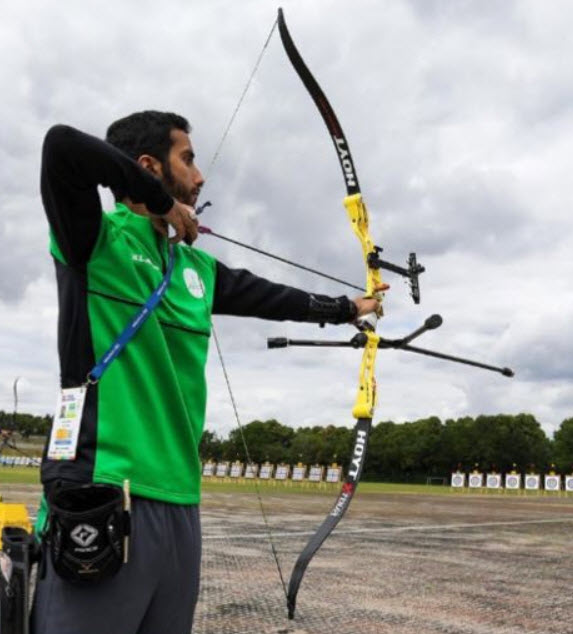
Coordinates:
<point>86,532</point>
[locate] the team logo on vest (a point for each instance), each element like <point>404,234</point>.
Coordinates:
<point>193,282</point>
<point>84,535</point>
<point>137,257</point>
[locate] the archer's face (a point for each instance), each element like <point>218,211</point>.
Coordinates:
<point>181,177</point>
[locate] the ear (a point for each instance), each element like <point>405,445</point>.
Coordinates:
<point>151,164</point>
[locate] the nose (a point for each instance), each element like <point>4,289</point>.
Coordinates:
<point>198,177</point>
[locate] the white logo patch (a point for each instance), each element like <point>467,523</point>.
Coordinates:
<point>194,283</point>
<point>84,535</point>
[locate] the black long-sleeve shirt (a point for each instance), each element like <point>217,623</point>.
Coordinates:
<point>74,164</point>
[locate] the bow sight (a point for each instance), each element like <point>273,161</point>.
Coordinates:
<point>412,272</point>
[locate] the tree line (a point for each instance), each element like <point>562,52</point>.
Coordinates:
<point>25,424</point>
<point>410,451</point>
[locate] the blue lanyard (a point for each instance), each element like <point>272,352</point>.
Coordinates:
<point>135,324</point>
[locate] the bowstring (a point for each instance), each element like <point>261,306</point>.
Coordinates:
<point>239,425</point>
<point>241,99</point>
<point>249,461</point>
<point>215,337</point>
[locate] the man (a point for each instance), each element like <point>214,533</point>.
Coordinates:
<point>141,423</point>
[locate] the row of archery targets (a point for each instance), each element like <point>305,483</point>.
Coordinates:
<point>551,482</point>
<point>268,471</point>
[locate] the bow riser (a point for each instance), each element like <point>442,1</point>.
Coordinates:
<point>366,397</point>
<point>357,213</point>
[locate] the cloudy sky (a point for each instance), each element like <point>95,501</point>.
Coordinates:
<point>459,117</point>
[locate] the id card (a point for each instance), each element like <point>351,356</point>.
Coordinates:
<point>66,428</point>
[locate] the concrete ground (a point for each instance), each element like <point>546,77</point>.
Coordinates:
<point>397,563</point>
<point>405,564</point>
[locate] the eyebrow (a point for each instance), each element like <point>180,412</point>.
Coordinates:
<point>189,153</point>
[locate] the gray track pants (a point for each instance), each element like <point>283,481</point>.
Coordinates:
<point>155,592</point>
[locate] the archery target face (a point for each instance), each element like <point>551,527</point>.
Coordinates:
<point>532,482</point>
<point>476,480</point>
<point>552,483</point>
<point>512,481</point>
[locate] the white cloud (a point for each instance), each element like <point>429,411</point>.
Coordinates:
<point>459,119</point>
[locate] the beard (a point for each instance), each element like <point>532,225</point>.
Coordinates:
<point>177,190</point>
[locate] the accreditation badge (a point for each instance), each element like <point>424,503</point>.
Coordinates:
<point>66,428</point>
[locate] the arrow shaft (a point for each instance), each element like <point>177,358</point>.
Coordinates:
<point>279,258</point>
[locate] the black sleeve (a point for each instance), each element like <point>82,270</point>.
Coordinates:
<point>239,292</point>
<point>73,165</point>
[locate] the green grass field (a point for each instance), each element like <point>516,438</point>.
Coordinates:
<point>30,475</point>
<point>280,488</point>
<point>19,475</point>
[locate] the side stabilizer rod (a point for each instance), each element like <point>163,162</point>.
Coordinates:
<point>359,341</point>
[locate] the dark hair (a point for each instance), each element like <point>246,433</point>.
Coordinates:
<point>147,132</point>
